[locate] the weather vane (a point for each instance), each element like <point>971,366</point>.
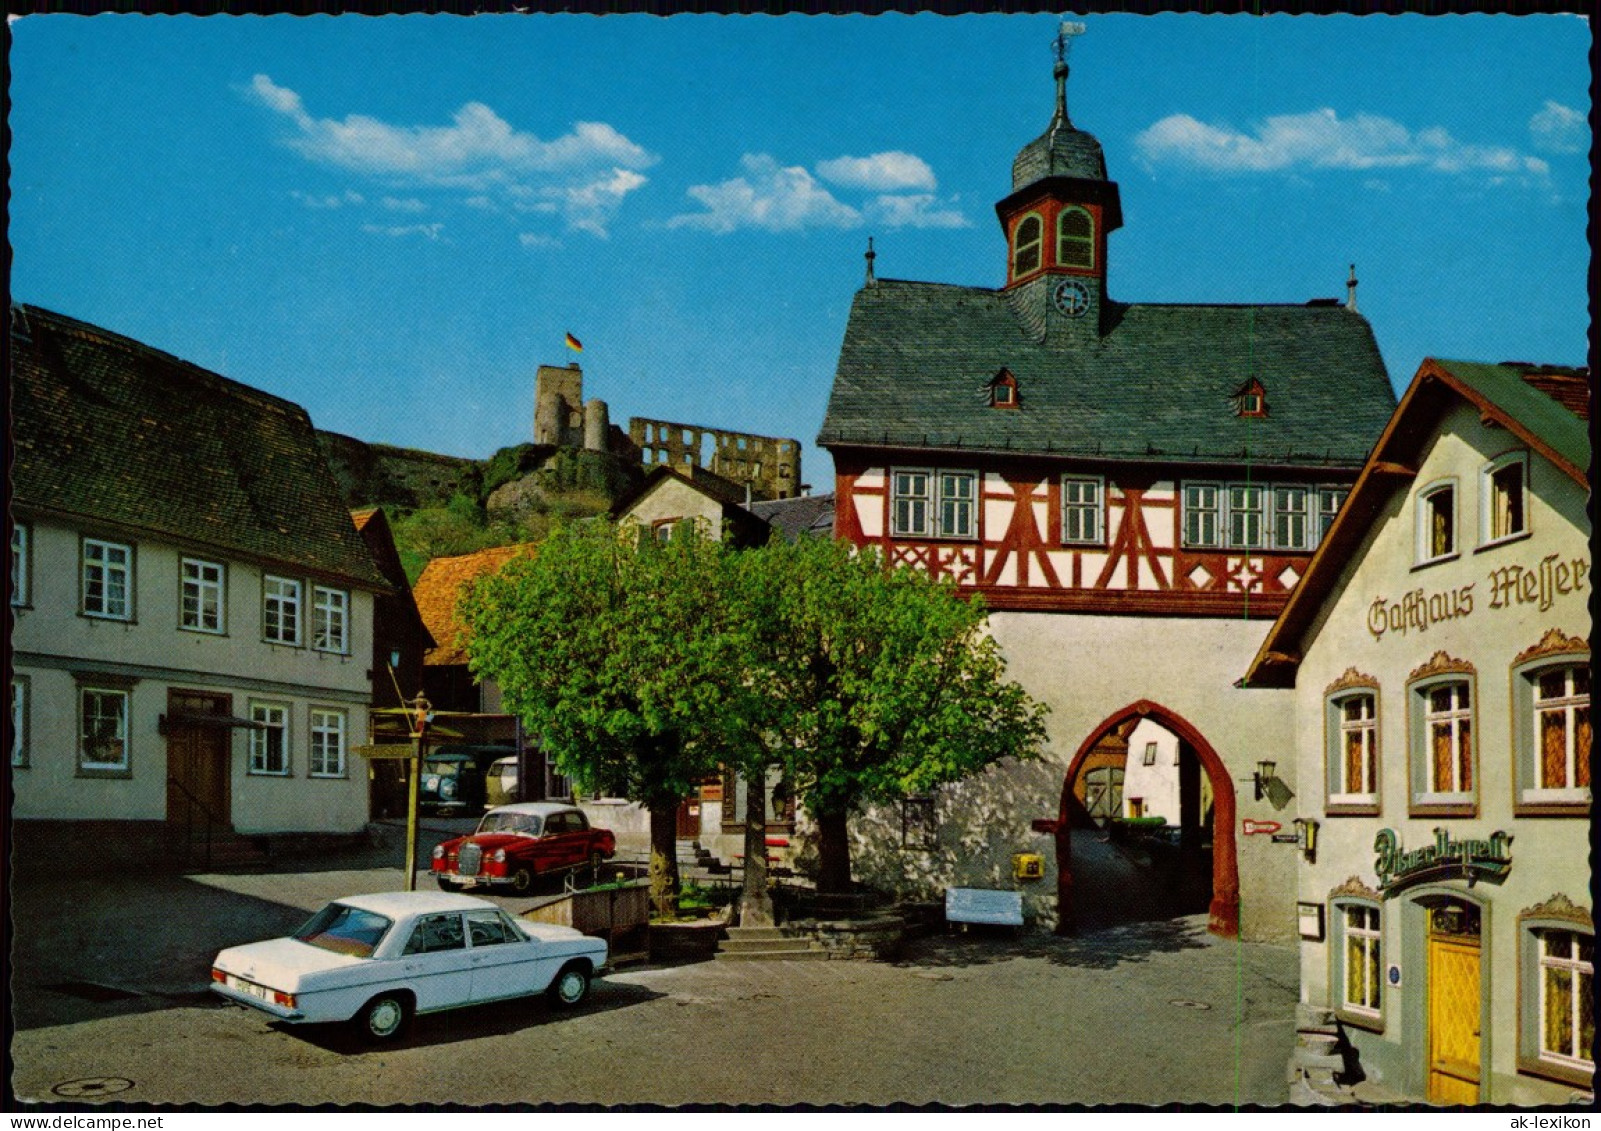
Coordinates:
<point>1064,35</point>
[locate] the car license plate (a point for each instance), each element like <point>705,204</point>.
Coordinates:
<point>250,988</point>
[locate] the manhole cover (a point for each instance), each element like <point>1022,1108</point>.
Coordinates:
<point>1188,1004</point>
<point>92,991</point>
<point>92,1086</point>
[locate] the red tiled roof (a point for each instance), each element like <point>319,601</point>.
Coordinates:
<point>438,589</point>
<point>1570,388</point>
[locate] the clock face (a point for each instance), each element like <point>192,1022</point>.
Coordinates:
<point>1072,298</point>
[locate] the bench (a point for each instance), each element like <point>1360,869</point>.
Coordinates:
<point>981,905</point>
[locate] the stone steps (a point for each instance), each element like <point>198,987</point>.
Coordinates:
<point>766,944</point>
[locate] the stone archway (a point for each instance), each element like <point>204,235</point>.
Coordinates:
<point>1224,912</point>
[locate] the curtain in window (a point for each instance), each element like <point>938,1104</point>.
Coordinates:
<point>1553,749</point>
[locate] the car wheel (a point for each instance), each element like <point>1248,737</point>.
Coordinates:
<point>384,1018</point>
<point>446,884</point>
<point>522,881</point>
<point>569,987</point>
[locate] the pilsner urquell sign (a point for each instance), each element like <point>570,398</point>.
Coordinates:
<point>1446,859</point>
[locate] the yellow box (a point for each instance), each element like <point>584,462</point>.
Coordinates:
<point>1028,866</point>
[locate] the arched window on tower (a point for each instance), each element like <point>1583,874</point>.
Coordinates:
<point>1026,240</point>
<point>1075,238</point>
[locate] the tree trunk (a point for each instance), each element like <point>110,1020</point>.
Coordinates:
<point>755,904</point>
<point>833,854</point>
<point>664,859</point>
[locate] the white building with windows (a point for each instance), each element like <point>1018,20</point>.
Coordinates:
<point>1439,652</point>
<point>191,603</point>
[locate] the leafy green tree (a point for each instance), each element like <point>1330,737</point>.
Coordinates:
<point>618,652</point>
<point>876,684</point>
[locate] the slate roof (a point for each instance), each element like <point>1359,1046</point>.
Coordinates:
<point>438,590</point>
<point>1157,384</point>
<point>108,430</point>
<point>803,515</point>
<point>1506,393</point>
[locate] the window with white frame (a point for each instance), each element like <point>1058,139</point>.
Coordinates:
<point>1328,505</point>
<point>1245,519</point>
<point>327,743</point>
<point>103,729</point>
<point>330,629</point>
<point>1290,519</point>
<point>1354,757</point>
<point>201,603</point>
<point>958,498</point>
<point>269,739</point>
<point>1503,498</point>
<point>1556,1037</point>
<point>1436,522</point>
<point>1203,515</point>
<point>1150,754</point>
<point>1026,241</point>
<point>19,721</point>
<point>1552,712</point>
<point>1360,958</point>
<point>1443,750</point>
<point>107,579</point>
<point>1083,510</point>
<point>911,503</point>
<point>280,610</point>
<point>19,564</point>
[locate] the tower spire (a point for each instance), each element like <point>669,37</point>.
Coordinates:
<point>1065,33</point>
<point>872,280</point>
<point>1350,290</point>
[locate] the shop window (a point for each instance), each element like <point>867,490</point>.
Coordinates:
<point>1436,522</point>
<point>1552,732</point>
<point>1556,973</point>
<point>1358,958</point>
<point>1503,499</point>
<point>1075,238</point>
<point>1352,745</point>
<point>1083,510</point>
<point>1443,749</point>
<point>1026,241</point>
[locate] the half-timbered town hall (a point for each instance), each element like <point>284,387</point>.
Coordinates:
<point>1134,489</point>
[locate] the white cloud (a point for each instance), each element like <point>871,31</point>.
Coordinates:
<point>406,204</point>
<point>427,231</point>
<point>880,172</point>
<point>536,239</point>
<point>593,166</point>
<point>330,200</point>
<point>1322,139</point>
<point>1558,129</point>
<point>918,210</point>
<point>769,196</point>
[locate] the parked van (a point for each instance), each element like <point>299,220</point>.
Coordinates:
<point>453,779</point>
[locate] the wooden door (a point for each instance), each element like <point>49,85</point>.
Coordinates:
<point>689,817</point>
<point>197,758</point>
<point>1453,1019</point>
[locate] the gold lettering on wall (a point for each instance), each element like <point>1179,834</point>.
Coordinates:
<point>1509,586</point>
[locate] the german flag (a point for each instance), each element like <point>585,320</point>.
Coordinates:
<point>574,344</point>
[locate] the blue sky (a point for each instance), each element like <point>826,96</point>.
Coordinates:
<point>393,221</point>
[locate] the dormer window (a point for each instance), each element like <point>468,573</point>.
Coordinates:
<point>1026,241</point>
<point>1250,399</point>
<point>1075,238</point>
<point>1002,390</point>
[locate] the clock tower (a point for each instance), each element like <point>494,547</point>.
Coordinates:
<point>1056,222</point>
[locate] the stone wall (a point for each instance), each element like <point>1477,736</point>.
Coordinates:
<point>396,478</point>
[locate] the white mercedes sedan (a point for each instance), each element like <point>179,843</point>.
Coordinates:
<point>376,961</point>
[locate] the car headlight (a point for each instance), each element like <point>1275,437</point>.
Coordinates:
<point>498,856</point>
<point>439,852</point>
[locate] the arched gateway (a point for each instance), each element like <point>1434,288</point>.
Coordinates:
<point>1224,912</point>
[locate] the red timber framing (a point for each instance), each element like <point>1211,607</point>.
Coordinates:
<point>1224,916</point>
<point>1018,560</point>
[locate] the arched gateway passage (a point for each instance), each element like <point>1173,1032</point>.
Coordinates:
<point>1224,910</point>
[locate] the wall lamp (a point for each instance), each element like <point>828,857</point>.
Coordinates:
<point>1263,775</point>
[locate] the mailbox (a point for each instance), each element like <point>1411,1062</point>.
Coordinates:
<point>1028,866</point>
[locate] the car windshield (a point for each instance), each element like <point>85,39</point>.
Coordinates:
<point>448,767</point>
<point>525,823</point>
<point>345,930</point>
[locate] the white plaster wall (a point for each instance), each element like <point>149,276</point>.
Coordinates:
<point>1550,854</point>
<point>1157,784</point>
<point>672,499</point>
